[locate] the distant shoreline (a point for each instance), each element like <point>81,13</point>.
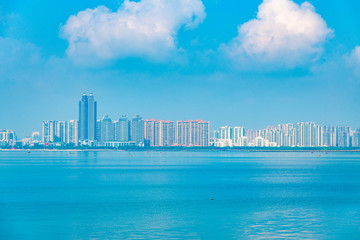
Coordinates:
<point>184,149</point>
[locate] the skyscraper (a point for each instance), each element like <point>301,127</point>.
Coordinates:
<point>60,131</point>
<point>7,136</point>
<point>168,133</point>
<point>226,132</point>
<point>122,129</point>
<point>87,117</point>
<point>72,132</point>
<point>159,133</point>
<point>137,130</point>
<point>149,131</point>
<point>98,131</point>
<point>48,131</point>
<point>235,134</point>
<point>343,136</point>
<point>356,138</point>
<point>107,129</point>
<point>306,134</point>
<point>192,133</point>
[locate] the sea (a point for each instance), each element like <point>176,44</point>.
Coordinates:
<point>179,195</point>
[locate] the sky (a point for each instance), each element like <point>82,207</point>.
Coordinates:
<point>232,62</point>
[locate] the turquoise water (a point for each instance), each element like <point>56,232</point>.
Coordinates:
<point>153,195</point>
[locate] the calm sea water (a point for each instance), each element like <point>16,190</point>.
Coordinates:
<point>153,195</point>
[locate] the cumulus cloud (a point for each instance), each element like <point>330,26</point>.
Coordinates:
<point>283,33</point>
<point>146,28</point>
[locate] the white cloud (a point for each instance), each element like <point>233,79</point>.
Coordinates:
<point>352,60</point>
<point>283,33</point>
<point>147,28</point>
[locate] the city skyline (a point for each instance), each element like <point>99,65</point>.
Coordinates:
<point>90,130</point>
<point>94,131</point>
<point>216,124</point>
<point>179,119</point>
<point>204,64</point>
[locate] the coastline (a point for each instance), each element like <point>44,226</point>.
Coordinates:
<point>188,149</point>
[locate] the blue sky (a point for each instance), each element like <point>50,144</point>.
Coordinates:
<point>247,63</point>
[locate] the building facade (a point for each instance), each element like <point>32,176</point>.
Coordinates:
<point>107,132</point>
<point>87,117</point>
<point>48,131</point>
<point>192,133</point>
<point>7,137</point>
<point>122,129</point>
<point>137,130</point>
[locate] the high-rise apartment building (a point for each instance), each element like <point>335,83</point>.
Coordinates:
<point>122,129</point>
<point>72,132</point>
<point>192,133</point>
<point>251,134</point>
<point>61,131</point>
<point>343,136</point>
<point>107,132</point>
<point>284,135</point>
<point>303,134</point>
<point>149,132</point>
<point>167,133</point>
<point>48,131</point>
<point>238,134</point>
<point>226,132</point>
<point>356,138</point>
<point>7,136</point>
<point>98,131</point>
<point>233,134</point>
<point>137,130</point>
<point>306,134</point>
<point>159,132</point>
<point>158,137</point>
<point>87,117</point>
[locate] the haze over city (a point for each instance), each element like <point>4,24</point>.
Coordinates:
<point>229,62</point>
